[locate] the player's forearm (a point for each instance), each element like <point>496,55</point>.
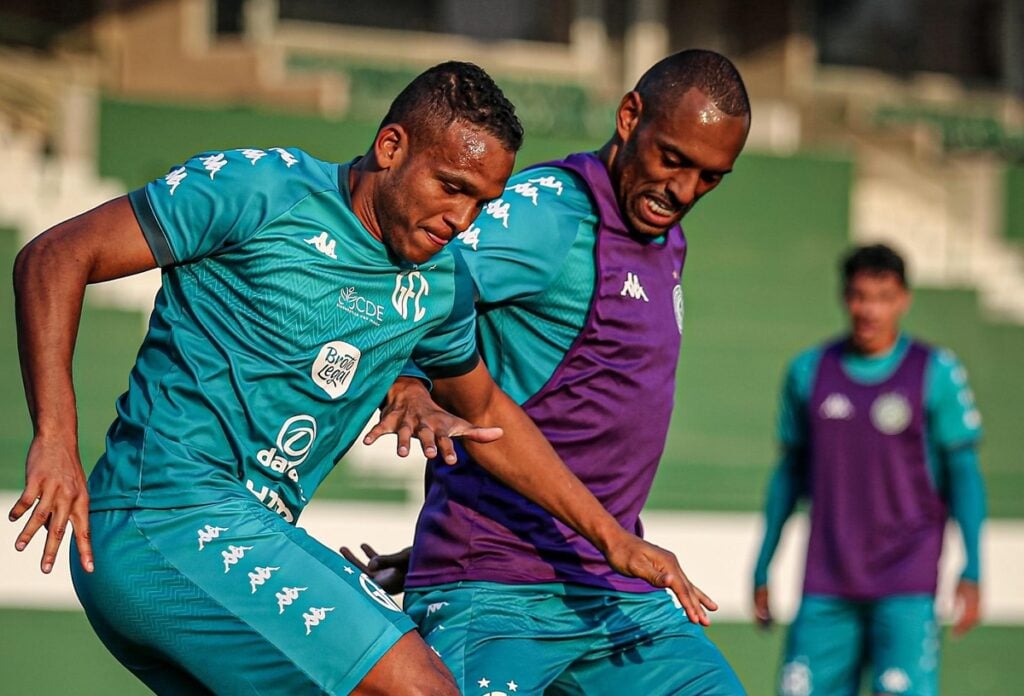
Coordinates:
<point>967,505</point>
<point>525,461</point>
<point>49,283</point>
<point>783,493</point>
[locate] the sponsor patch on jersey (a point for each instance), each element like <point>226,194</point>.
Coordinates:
<point>890,413</point>
<point>335,367</point>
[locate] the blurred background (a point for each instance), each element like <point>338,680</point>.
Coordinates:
<point>873,120</point>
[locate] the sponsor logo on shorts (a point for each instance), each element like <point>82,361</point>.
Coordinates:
<point>335,367</point>
<point>208,534</point>
<point>377,593</point>
<point>286,596</point>
<point>294,440</point>
<point>891,413</point>
<point>233,555</point>
<point>410,288</point>
<point>259,576</point>
<point>836,406</point>
<point>352,302</point>
<point>314,617</point>
<point>435,607</point>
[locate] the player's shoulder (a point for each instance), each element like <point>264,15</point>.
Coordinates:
<point>805,363</point>
<point>544,193</point>
<point>944,364</point>
<point>292,167</point>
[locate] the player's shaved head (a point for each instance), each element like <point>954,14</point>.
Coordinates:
<point>664,85</point>
<point>455,91</point>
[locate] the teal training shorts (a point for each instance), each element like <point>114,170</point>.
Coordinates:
<point>229,598</point>
<point>833,640</point>
<point>567,639</point>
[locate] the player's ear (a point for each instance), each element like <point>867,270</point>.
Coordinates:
<point>628,116</point>
<point>390,145</point>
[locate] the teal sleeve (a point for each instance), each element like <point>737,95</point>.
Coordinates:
<point>517,245</point>
<point>217,200</point>
<point>411,369</point>
<point>450,349</point>
<point>796,392</point>
<point>953,417</point>
<point>784,491</point>
<point>967,504</point>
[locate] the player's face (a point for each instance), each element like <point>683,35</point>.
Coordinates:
<point>668,161</point>
<point>875,302</point>
<point>436,186</point>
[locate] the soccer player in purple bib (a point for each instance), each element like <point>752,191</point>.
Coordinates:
<point>879,431</point>
<point>577,271</point>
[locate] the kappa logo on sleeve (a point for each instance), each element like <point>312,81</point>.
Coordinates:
<point>335,367</point>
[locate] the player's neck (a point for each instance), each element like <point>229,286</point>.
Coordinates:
<point>874,349</point>
<point>361,188</point>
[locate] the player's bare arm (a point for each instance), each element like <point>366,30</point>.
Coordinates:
<point>409,412</point>
<point>50,275</point>
<point>525,461</point>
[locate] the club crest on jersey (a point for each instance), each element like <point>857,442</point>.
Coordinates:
<point>410,287</point>
<point>335,367</point>
<point>891,413</point>
<point>678,306</point>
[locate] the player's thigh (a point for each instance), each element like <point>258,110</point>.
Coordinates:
<point>494,637</point>
<point>644,644</point>
<point>238,599</point>
<point>824,648</point>
<point>905,646</point>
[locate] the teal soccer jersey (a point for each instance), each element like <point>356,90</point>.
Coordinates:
<point>280,325</point>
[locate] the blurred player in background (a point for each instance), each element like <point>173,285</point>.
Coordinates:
<point>879,432</point>
<point>293,293</point>
<point>577,271</point>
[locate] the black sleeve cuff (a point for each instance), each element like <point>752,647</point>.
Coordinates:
<point>456,370</point>
<point>151,229</point>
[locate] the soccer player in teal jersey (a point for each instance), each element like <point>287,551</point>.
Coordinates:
<point>578,274</point>
<point>293,293</point>
<point>880,432</point>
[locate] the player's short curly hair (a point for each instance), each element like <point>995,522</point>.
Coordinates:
<point>456,91</point>
<point>713,74</point>
<point>876,259</point>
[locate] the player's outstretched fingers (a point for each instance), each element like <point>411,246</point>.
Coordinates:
<point>447,448</point>
<point>480,435</point>
<point>39,517</point>
<point>426,435</point>
<point>354,560</point>
<point>80,524</point>
<point>55,529</point>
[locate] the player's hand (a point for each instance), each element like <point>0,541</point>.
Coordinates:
<point>387,570</point>
<point>55,485</point>
<point>408,411</point>
<point>640,559</point>
<point>762,609</point>
<point>967,607</point>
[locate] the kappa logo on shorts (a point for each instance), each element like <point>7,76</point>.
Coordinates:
<point>435,607</point>
<point>377,593</point>
<point>335,367</point>
<point>233,555</point>
<point>796,679</point>
<point>895,681</point>
<point>314,616</point>
<point>259,576</point>
<point>208,534</point>
<point>286,596</point>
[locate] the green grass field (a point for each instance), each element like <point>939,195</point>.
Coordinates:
<point>56,652</point>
